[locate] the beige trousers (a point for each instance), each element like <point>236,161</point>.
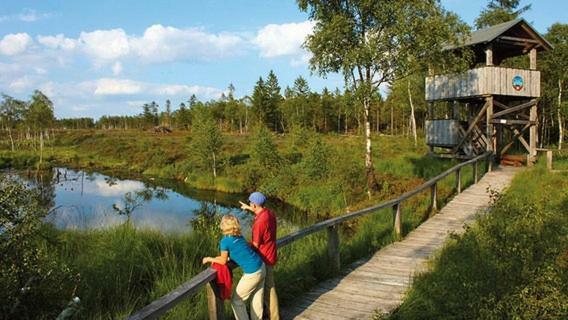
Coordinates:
<point>270,297</point>
<point>251,284</point>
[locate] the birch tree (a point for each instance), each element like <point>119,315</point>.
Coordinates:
<point>371,42</point>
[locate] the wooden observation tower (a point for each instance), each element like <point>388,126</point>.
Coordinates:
<point>490,107</point>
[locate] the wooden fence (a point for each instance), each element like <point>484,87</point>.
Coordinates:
<point>206,278</point>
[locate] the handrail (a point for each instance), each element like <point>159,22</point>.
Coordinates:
<point>204,278</point>
<point>187,289</point>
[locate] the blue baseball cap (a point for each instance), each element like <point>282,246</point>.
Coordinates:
<point>257,198</point>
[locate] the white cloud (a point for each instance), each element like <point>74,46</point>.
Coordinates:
<point>13,44</point>
<point>27,15</point>
<point>158,44</point>
<point>117,68</point>
<point>112,86</point>
<point>30,15</point>
<point>108,86</point>
<point>276,40</point>
<point>105,44</point>
<point>102,188</point>
<point>21,84</point>
<point>58,42</point>
<point>40,70</point>
<point>162,44</point>
<point>301,60</point>
<point>177,89</point>
<point>135,103</point>
<point>8,71</point>
<point>48,89</point>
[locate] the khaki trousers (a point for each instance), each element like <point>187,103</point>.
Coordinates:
<point>270,297</point>
<point>251,284</point>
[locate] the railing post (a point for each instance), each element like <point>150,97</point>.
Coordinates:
<point>489,160</point>
<point>434,196</point>
<point>458,181</point>
<point>397,219</point>
<point>549,160</point>
<point>215,305</point>
<point>475,172</point>
<point>333,247</point>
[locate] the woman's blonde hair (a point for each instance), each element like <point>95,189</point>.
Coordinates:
<point>230,225</point>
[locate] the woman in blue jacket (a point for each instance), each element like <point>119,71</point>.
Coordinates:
<point>234,245</point>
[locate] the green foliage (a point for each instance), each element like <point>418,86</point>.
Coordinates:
<point>206,141</point>
<point>365,35</point>
<point>499,11</point>
<point>266,99</point>
<point>316,162</point>
<point>264,154</point>
<point>34,284</point>
<point>511,265</point>
<point>39,115</point>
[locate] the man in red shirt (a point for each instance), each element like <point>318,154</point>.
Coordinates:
<point>264,240</point>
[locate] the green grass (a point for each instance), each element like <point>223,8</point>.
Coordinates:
<point>513,264</point>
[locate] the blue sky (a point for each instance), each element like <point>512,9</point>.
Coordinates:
<point>110,57</point>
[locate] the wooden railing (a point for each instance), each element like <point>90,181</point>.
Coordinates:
<point>206,277</point>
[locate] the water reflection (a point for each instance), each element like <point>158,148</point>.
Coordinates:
<point>81,200</point>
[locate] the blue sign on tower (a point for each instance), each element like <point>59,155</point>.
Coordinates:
<point>518,83</point>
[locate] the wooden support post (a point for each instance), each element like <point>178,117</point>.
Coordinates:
<point>490,137</point>
<point>529,162</point>
<point>333,247</point>
<point>430,117</point>
<point>533,132</point>
<point>472,126</point>
<point>532,55</point>
<point>455,110</point>
<point>475,178</point>
<point>549,160</point>
<point>489,56</point>
<point>215,306</point>
<point>397,219</point>
<point>434,196</point>
<point>458,181</point>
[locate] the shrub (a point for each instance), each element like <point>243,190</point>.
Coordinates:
<point>34,284</point>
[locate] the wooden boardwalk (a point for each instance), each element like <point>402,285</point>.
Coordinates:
<point>379,283</point>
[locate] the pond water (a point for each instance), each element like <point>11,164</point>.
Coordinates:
<point>85,200</point>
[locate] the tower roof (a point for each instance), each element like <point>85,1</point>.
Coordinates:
<point>516,34</point>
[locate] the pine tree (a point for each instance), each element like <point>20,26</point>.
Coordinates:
<point>499,11</point>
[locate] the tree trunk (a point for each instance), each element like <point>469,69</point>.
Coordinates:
<point>246,120</point>
<point>560,127</point>
<point>345,124</point>
<point>542,129</point>
<point>214,167</point>
<point>372,184</point>
<point>11,139</point>
<point>392,121</point>
<point>378,117</point>
<point>412,117</point>
<point>40,146</point>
